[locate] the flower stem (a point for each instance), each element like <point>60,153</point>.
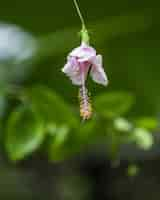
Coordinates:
<point>80,14</point>
<point>84,32</point>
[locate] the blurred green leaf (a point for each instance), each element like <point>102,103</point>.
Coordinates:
<point>121,124</point>
<point>143,138</point>
<point>57,148</point>
<point>51,129</point>
<point>132,170</point>
<point>51,106</point>
<point>113,104</point>
<point>58,117</point>
<point>148,123</point>
<point>24,133</point>
<point>66,142</point>
<point>86,131</point>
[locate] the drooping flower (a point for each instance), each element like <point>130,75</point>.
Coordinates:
<point>82,60</point>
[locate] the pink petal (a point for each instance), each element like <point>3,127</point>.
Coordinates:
<point>97,72</point>
<point>76,80</point>
<point>67,68</point>
<point>71,67</point>
<point>83,53</point>
<point>77,72</point>
<point>73,73</point>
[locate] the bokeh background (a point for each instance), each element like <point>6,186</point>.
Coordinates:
<point>46,151</point>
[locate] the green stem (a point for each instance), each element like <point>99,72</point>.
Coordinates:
<point>80,14</point>
<point>84,32</point>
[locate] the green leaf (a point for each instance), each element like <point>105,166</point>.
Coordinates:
<point>67,142</point>
<point>24,133</point>
<point>143,138</point>
<point>113,104</point>
<point>86,132</point>
<point>58,149</point>
<point>148,123</point>
<point>121,124</point>
<point>51,106</point>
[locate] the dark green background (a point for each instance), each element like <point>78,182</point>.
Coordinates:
<point>131,59</point>
<point>127,33</point>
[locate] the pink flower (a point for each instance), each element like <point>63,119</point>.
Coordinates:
<point>82,60</point>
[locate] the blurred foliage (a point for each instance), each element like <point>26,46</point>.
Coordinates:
<point>133,170</point>
<point>39,105</point>
<point>25,132</point>
<point>143,138</point>
<point>112,105</point>
<point>42,116</point>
